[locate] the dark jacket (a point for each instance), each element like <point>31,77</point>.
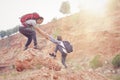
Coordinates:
<point>58,45</point>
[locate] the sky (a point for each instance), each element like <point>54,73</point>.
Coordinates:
<point>12,10</point>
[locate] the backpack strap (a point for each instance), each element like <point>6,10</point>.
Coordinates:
<point>63,47</point>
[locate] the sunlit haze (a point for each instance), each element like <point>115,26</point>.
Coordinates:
<point>94,6</point>
<point>11,10</point>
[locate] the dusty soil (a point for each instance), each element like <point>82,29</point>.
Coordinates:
<point>89,35</point>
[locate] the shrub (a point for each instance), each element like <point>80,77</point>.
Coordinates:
<point>116,61</point>
<point>95,62</point>
<point>115,77</point>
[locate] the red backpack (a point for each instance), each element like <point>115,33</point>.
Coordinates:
<point>26,17</point>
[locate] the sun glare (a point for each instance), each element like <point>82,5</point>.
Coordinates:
<point>93,6</point>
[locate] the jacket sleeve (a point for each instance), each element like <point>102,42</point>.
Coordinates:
<point>54,40</point>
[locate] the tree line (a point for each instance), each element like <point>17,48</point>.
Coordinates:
<point>8,32</point>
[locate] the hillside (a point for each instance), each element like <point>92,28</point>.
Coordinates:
<point>90,36</point>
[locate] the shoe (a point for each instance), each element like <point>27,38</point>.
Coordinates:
<point>35,47</point>
<point>65,67</point>
<point>52,54</point>
<point>25,48</point>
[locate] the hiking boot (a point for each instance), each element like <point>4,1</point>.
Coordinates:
<point>38,47</point>
<point>35,47</point>
<point>25,48</point>
<point>65,66</point>
<point>52,54</point>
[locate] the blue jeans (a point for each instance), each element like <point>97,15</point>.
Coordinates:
<point>30,34</point>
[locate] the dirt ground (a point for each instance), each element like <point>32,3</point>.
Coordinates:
<point>89,35</point>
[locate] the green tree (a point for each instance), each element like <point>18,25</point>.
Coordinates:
<point>65,7</point>
<point>15,29</point>
<point>2,34</point>
<point>12,31</point>
<point>9,32</point>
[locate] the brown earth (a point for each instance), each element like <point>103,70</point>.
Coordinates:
<point>89,35</point>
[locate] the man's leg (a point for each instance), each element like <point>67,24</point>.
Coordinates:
<point>28,32</point>
<point>28,42</point>
<point>64,59</point>
<point>34,39</point>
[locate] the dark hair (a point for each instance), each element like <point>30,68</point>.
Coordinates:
<point>39,18</point>
<point>59,38</point>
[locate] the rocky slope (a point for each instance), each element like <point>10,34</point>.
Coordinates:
<point>90,36</point>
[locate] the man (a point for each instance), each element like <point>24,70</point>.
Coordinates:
<point>29,30</point>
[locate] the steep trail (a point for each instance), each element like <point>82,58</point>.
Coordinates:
<point>89,36</point>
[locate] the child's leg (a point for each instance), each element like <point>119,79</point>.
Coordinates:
<point>64,55</point>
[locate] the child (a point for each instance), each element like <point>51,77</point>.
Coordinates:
<point>59,46</point>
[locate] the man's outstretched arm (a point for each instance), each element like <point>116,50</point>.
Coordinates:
<point>42,32</point>
<point>47,36</point>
